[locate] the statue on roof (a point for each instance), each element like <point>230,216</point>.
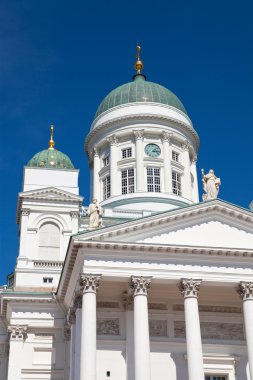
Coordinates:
<point>211,185</point>
<point>95,213</point>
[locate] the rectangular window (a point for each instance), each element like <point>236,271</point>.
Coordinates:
<point>106,161</point>
<point>175,156</point>
<point>127,152</point>
<point>215,377</point>
<point>153,180</point>
<point>106,187</point>
<point>127,181</point>
<point>47,280</point>
<point>176,183</point>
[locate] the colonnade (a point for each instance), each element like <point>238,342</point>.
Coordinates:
<point>189,191</point>
<point>137,295</point>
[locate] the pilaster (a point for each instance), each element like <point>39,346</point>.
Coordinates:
<point>167,155</point>
<point>138,135</point>
<point>17,335</point>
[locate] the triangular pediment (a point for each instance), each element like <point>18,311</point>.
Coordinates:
<point>50,193</point>
<point>211,224</point>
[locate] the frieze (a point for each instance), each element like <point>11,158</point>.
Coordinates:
<point>108,326</point>
<point>212,309</point>
<point>108,305</point>
<point>157,327</point>
<point>213,330</point>
<point>157,306</point>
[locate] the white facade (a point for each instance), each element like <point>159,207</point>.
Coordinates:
<point>168,294</point>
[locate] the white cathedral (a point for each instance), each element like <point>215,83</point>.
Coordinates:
<point>157,286</point>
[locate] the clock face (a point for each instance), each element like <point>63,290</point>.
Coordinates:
<point>152,150</point>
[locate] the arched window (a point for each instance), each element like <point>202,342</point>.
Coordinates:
<point>49,242</point>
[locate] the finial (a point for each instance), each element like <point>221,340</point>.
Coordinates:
<point>51,142</point>
<point>138,64</point>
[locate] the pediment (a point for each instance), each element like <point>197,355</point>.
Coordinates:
<point>214,224</point>
<point>50,193</point>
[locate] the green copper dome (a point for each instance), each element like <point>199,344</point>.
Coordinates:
<point>51,158</point>
<point>139,90</point>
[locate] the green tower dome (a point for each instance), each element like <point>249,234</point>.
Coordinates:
<point>51,158</point>
<point>139,90</point>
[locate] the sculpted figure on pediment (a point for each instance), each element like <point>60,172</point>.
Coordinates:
<point>211,185</point>
<point>95,213</point>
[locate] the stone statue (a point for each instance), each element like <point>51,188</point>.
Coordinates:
<point>95,213</point>
<point>211,185</point>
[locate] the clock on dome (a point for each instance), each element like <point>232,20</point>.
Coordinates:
<point>152,150</point>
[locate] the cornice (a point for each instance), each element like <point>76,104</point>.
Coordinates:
<point>142,116</point>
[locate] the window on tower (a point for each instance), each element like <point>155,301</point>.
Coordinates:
<point>175,156</point>
<point>49,241</point>
<point>106,161</point>
<point>127,181</point>
<point>215,377</point>
<point>127,152</point>
<point>106,187</point>
<point>153,180</point>
<point>176,183</point>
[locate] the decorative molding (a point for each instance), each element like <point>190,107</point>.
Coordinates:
<point>223,331</point>
<point>213,330</point>
<point>245,290</point>
<point>212,309</point>
<point>157,306</point>
<point>189,287</point>
<point>138,134</point>
<point>77,304</point>
<point>107,304</point>
<point>158,327</point>
<point>71,318</point>
<point>108,326</point>
<point>89,283</point>
<point>17,332</point>
<point>127,300</point>
<point>113,139</point>
<point>194,160</point>
<point>74,214</point>
<point>95,151</point>
<point>166,136</point>
<point>140,285</point>
<point>67,332</point>
<point>185,145</point>
<point>25,211</point>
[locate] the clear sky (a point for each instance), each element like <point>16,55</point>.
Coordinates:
<point>60,58</point>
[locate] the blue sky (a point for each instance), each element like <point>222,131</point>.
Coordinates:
<point>60,58</point>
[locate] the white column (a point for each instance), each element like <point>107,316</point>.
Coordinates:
<point>140,287</point>
<point>25,212</point>
<point>138,134</point>
<point>189,288</point>
<point>89,285</point>
<point>187,170</point>
<point>128,305</point>
<point>195,190</point>
<point>17,336</point>
<point>114,175</point>
<point>167,156</point>
<point>78,330</point>
<point>245,289</point>
<point>72,323</point>
<point>96,181</point>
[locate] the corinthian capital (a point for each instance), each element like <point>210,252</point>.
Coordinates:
<point>166,136</point>
<point>17,332</point>
<point>113,140</point>
<point>245,290</point>
<point>185,145</point>
<point>140,285</point>
<point>89,283</point>
<point>189,287</point>
<point>138,134</point>
<point>25,211</point>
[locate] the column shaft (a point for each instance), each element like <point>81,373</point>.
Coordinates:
<point>89,284</point>
<point>78,335</point>
<point>187,171</point>
<point>195,190</point>
<point>114,175</point>
<point>141,328</point>
<point>167,155</point>
<point>96,180</point>
<point>189,288</point>
<point>140,186</point>
<point>245,290</point>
